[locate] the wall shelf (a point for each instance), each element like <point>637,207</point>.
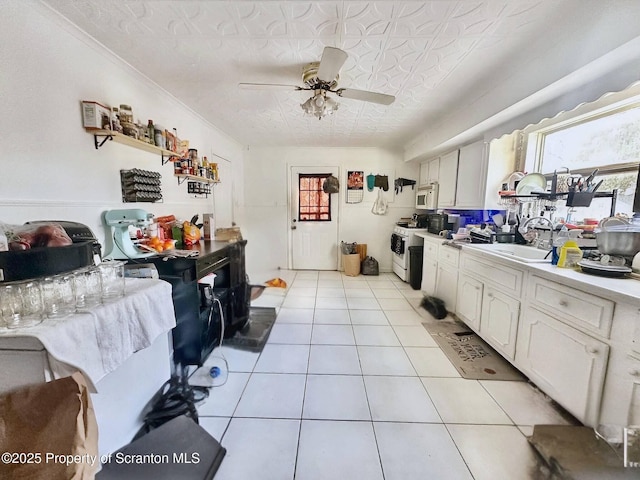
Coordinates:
<point>100,137</point>
<point>182,178</point>
<point>118,137</point>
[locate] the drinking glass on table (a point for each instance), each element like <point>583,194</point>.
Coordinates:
<point>88,288</point>
<point>32,303</point>
<point>59,295</point>
<point>112,273</point>
<point>10,305</point>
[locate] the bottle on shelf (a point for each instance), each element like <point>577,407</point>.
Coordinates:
<point>159,137</point>
<point>151,132</point>
<point>115,120</point>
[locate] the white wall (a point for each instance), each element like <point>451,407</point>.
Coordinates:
<point>50,168</point>
<point>266,224</point>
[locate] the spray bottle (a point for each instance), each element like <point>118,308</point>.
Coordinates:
<point>558,242</point>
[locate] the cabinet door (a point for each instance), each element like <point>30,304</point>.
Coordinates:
<point>433,175</point>
<point>447,179</point>
<point>429,272</point>
<point>447,285</point>
<point>469,301</point>
<point>429,171</point>
<point>565,363</point>
<point>472,176</point>
<point>499,321</point>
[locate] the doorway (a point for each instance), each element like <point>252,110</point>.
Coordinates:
<point>313,219</point>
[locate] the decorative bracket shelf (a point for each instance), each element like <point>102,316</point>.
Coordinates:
<point>165,155</point>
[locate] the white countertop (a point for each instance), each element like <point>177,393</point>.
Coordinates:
<point>624,289</point>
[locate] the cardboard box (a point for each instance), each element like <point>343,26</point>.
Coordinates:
<point>228,234</point>
<point>95,115</point>
<point>209,226</point>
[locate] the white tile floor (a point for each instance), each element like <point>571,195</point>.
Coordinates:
<point>351,385</point>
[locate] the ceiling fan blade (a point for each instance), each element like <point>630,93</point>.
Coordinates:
<point>268,86</point>
<point>366,96</point>
<point>331,63</point>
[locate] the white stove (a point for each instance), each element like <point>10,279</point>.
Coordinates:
<point>401,239</point>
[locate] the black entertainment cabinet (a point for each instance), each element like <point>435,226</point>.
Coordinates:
<point>198,329</point>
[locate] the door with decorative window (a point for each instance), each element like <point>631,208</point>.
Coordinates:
<point>313,219</point>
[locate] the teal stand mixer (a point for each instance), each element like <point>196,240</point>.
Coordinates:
<point>119,245</point>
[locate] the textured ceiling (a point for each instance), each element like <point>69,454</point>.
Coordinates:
<point>434,56</point>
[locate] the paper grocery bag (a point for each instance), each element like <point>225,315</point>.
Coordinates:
<point>351,264</point>
<point>50,431</point>
<point>361,248</point>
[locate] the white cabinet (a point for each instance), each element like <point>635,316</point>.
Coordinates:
<point>429,272</point>
<point>489,300</point>
<point>471,184</point>
<point>447,278</point>
<point>429,266</point>
<point>567,364</point>
<point>499,321</point>
<point>469,301</point>
<point>430,171</point>
<point>447,180</point>
<point>447,284</point>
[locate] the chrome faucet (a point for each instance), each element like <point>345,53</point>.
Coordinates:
<point>535,238</point>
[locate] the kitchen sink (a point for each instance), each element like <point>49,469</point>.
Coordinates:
<point>522,253</point>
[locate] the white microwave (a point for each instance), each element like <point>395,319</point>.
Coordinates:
<point>427,197</point>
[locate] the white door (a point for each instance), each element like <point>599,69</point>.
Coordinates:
<point>499,321</point>
<point>313,219</point>
<point>447,178</point>
<point>469,301</point>
<point>447,285</point>
<point>470,187</point>
<point>567,364</point>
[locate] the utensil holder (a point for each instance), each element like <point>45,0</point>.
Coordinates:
<point>579,199</point>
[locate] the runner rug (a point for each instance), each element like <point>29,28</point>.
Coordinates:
<point>472,356</point>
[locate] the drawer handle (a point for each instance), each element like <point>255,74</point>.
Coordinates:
<point>592,350</point>
<point>563,303</point>
<point>490,295</point>
<point>634,371</point>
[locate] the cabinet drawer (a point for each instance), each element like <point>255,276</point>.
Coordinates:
<point>581,309</point>
<point>210,264</point>
<point>450,255</point>
<point>431,249</point>
<point>507,279</point>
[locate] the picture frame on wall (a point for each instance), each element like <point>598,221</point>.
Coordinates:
<point>355,186</point>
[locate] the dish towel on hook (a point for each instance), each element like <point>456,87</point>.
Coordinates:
<point>371,182</point>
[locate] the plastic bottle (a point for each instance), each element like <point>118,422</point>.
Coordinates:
<point>558,242</point>
<point>570,255</point>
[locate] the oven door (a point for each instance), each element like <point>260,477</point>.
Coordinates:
<point>400,254</point>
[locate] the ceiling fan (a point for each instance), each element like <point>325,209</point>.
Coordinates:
<point>322,78</point>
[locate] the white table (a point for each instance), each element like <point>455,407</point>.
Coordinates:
<point>123,348</point>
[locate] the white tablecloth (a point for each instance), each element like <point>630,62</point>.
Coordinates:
<point>99,341</point>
